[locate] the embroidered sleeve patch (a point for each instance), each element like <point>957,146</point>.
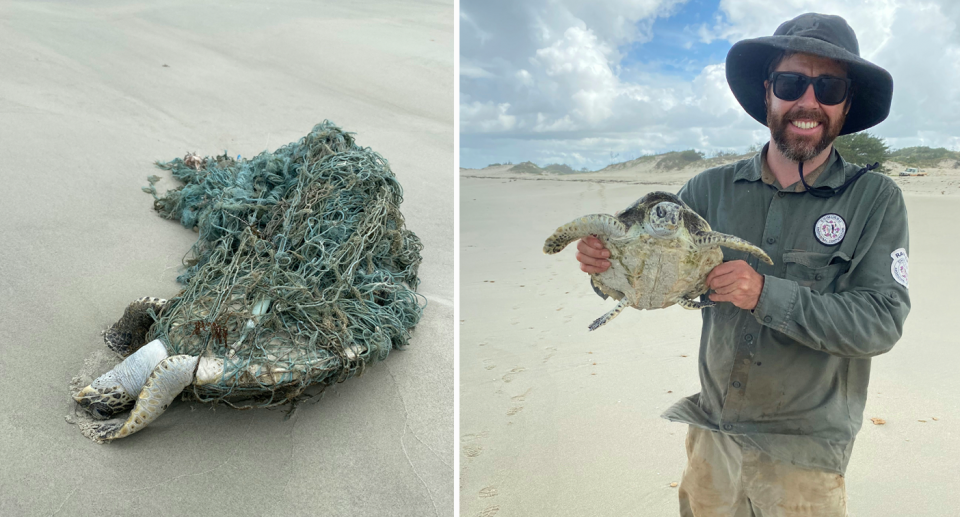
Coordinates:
<point>899,268</point>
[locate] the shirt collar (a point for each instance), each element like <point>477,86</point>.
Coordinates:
<point>829,174</point>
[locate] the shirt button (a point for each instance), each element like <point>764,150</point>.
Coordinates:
<point>819,277</point>
<point>748,338</point>
<point>728,426</point>
<point>781,194</point>
<point>767,319</point>
<point>771,240</point>
<point>736,384</point>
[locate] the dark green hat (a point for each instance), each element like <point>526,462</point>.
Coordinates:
<point>821,35</point>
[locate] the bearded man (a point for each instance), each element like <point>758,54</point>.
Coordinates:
<point>785,354</point>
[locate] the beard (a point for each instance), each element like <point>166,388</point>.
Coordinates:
<point>797,148</point>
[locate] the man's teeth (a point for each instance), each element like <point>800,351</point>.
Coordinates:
<point>805,125</point>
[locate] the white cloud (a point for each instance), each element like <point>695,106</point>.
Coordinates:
<point>473,71</point>
<point>547,79</point>
<point>524,78</point>
<point>485,117</point>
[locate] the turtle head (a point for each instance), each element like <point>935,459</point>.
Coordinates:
<point>105,397</point>
<point>663,220</point>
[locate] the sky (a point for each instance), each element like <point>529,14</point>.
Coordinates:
<point>592,82</point>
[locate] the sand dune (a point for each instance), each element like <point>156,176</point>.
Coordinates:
<point>942,180</point>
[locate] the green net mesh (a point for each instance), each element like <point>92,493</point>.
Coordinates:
<point>303,271</point>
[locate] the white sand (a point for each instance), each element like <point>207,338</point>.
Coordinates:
<point>86,106</point>
<point>556,420</point>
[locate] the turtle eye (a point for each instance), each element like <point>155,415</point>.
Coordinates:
<point>660,211</point>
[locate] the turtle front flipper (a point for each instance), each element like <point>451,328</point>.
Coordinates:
<point>130,333</point>
<point>596,224</point>
<point>168,379</point>
<point>730,241</point>
<point>602,320</point>
<point>116,391</point>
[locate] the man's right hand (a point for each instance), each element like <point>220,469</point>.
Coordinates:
<point>592,255</point>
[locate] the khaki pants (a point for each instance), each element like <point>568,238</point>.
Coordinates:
<point>723,478</point>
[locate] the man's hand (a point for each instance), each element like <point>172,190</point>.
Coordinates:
<point>735,282</point>
<point>592,255</point>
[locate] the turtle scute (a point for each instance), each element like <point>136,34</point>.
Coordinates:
<point>660,253</point>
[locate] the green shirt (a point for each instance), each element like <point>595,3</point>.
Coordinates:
<point>790,377</point>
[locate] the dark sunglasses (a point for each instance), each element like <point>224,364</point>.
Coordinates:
<point>790,86</point>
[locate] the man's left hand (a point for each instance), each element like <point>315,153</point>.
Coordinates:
<point>735,282</point>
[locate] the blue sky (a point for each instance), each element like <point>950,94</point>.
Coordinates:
<point>572,81</point>
<point>675,48</point>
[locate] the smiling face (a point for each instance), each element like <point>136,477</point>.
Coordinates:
<point>804,128</point>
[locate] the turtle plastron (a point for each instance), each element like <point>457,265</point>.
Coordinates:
<point>660,253</point>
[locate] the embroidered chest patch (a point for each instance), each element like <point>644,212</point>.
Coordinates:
<point>899,268</point>
<point>830,229</point>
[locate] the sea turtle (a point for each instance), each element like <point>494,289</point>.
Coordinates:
<point>660,253</point>
<point>150,377</point>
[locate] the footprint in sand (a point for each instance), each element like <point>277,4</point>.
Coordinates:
<point>472,451</point>
<point>521,397</point>
<point>514,410</point>
<point>489,511</point>
<point>512,373</point>
<point>551,354</point>
<point>488,491</point>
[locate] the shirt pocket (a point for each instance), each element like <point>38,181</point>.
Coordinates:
<point>818,271</point>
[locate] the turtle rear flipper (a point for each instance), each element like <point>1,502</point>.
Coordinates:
<point>602,320</point>
<point>732,242</point>
<point>168,379</point>
<point>130,333</point>
<point>687,303</point>
<point>596,224</point>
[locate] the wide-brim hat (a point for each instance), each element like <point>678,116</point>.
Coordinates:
<point>821,35</point>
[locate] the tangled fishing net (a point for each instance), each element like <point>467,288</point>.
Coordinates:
<point>303,271</point>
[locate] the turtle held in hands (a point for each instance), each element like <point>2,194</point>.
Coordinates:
<point>660,253</point>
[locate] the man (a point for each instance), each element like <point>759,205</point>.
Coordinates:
<point>785,354</point>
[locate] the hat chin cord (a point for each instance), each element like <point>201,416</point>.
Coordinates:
<point>828,191</point>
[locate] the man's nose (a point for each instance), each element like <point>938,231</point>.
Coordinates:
<point>809,98</point>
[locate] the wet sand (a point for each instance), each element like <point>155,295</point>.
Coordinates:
<point>556,420</point>
<point>90,97</point>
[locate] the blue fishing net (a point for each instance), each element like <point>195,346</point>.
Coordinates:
<point>303,271</point>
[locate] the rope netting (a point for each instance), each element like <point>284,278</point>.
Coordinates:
<point>303,271</point>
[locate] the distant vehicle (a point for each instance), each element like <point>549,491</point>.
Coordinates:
<point>912,171</point>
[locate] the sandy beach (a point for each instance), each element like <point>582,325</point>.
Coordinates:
<point>556,420</point>
<point>90,98</point>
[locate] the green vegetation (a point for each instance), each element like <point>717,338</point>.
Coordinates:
<point>863,149</point>
<point>925,157</point>
<point>527,168</point>
<point>679,160</point>
<point>860,148</point>
<point>532,168</point>
<point>560,168</point>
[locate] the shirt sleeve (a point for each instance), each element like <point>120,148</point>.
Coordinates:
<point>865,316</point>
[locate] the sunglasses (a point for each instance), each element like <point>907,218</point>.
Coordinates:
<point>790,86</point>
